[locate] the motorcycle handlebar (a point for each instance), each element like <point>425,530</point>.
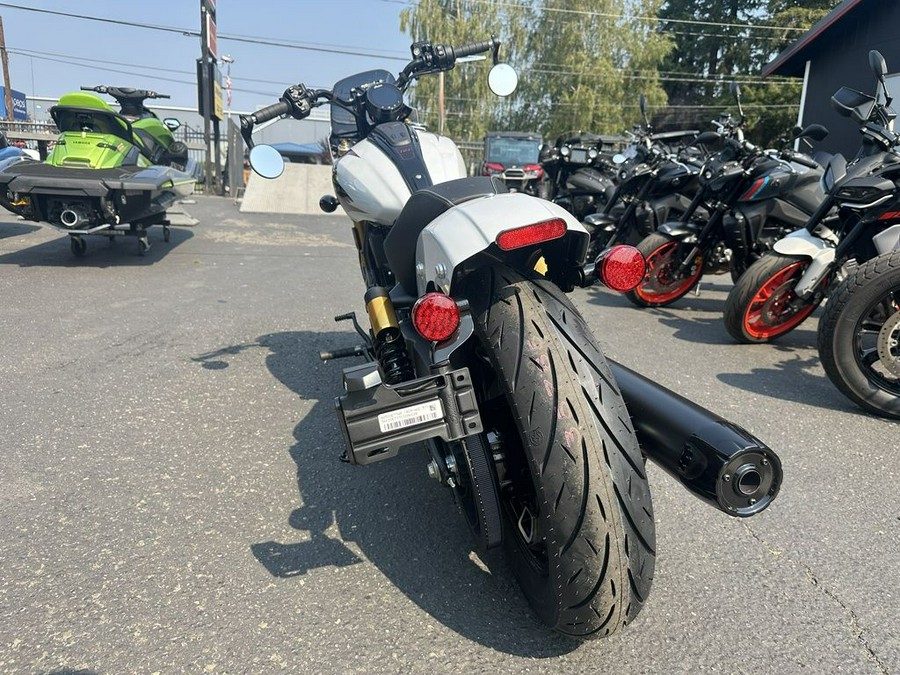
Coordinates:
<point>270,112</point>
<point>474,48</point>
<point>799,158</point>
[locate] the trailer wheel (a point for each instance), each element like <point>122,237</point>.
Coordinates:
<point>78,245</point>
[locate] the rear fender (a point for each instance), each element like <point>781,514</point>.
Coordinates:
<point>802,244</point>
<point>472,228</point>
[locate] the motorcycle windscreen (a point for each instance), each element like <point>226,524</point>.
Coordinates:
<point>343,124</point>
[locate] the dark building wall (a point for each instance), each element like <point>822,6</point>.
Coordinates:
<point>840,57</point>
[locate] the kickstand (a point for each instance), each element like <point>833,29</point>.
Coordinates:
<point>697,290</point>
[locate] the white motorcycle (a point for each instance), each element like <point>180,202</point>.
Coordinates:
<point>472,351</point>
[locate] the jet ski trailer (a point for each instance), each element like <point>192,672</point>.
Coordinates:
<point>124,200</point>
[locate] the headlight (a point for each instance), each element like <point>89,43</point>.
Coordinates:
<point>858,194</point>
<point>564,151</point>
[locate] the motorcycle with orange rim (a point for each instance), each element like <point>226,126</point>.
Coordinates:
<point>753,198</point>
<point>858,220</point>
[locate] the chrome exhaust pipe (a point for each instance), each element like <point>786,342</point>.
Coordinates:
<point>71,218</point>
<point>716,460</point>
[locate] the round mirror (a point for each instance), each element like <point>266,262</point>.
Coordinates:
<point>503,79</point>
<point>266,161</point>
<point>619,158</point>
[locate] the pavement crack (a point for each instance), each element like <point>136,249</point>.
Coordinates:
<point>855,624</point>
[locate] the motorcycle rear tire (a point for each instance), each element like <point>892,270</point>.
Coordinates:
<point>849,306</point>
<point>585,559</point>
<point>746,299</point>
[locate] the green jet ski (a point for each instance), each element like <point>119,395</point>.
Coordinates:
<point>108,174</point>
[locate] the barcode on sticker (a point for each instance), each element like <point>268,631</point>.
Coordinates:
<point>411,416</point>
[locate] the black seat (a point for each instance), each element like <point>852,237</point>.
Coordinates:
<point>423,207</point>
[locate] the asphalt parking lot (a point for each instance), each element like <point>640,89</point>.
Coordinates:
<point>171,499</point>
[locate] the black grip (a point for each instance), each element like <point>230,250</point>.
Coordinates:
<point>800,159</point>
<point>473,48</point>
<point>270,112</point>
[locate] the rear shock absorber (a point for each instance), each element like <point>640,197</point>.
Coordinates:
<point>390,348</point>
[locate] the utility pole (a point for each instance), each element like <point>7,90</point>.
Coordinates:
<point>5,58</point>
<point>205,84</point>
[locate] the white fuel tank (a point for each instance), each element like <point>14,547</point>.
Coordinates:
<point>373,188</point>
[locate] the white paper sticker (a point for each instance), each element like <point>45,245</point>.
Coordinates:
<point>411,416</point>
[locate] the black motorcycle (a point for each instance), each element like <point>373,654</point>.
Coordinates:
<point>578,174</point>
<point>656,179</point>
<point>754,198</point>
<point>859,335</point>
<point>858,220</point>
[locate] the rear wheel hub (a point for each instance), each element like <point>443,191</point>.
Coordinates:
<point>889,344</point>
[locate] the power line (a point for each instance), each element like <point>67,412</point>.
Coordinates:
<point>269,42</point>
<point>32,53</point>
<point>609,15</point>
<point>192,83</point>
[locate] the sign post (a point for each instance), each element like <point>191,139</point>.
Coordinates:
<point>206,80</point>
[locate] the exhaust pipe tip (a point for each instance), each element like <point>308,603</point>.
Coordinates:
<point>749,482</point>
<point>70,218</point>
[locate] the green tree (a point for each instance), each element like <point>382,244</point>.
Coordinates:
<point>775,106</point>
<point>470,109</point>
<point>740,38</point>
<point>591,60</point>
<point>582,64</point>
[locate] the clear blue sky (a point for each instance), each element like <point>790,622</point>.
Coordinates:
<point>65,53</point>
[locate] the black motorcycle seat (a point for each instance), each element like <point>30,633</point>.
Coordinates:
<point>420,209</point>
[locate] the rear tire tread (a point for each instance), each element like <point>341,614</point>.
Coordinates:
<point>576,400</point>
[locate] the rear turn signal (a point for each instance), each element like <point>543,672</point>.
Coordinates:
<point>531,234</point>
<point>435,316</point>
<point>621,268</point>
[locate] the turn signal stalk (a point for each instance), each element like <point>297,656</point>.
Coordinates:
<point>716,460</point>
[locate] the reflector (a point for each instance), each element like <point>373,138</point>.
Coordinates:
<point>621,268</point>
<point>531,234</point>
<point>435,316</point>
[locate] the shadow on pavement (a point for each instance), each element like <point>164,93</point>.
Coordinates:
<point>16,228</point>
<point>792,379</point>
<point>402,522</point>
<point>121,251</point>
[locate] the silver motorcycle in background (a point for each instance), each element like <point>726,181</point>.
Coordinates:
<point>487,363</point>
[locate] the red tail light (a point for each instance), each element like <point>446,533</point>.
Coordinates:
<point>531,234</point>
<point>621,268</point>
<point>435,316</point>
<point>490,168</point>
<point>536,169</point>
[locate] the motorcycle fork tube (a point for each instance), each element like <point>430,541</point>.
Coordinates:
<point>693,206</point>
<point>819,214</point>
<point>607,209</point>
<point>627,221</point>
<point>359,238</point>
<point>714,220</point>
